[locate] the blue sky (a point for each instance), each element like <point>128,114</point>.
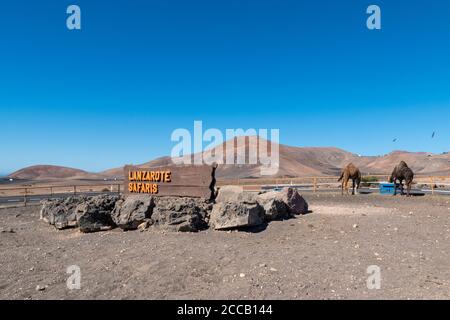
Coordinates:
<point>113,92</point>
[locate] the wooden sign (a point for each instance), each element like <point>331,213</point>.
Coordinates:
<point>175,180</point>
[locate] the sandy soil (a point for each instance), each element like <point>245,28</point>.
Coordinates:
<point>323,255</point>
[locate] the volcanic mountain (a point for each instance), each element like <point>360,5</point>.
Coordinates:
<point>294,162</point>
<point>48,172</point>
<point>319,161</point>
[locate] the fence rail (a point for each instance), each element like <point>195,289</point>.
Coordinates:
<point>330,183</point>
<point>26,195</point>
<point>33,194</point>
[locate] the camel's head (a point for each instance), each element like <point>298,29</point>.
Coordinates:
<point>403,164</point>
<point>391,179</point>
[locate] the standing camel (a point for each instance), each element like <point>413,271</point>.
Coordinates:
<point>350,172</point>
<point>402,172</point>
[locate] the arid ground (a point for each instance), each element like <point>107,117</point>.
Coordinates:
<point>322,255</point>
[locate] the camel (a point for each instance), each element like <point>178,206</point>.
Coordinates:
<point>350,172</point>
<point>402,172</point>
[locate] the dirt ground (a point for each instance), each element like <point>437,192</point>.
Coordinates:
<point>322,255</point>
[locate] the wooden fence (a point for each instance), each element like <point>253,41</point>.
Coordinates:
<point>32,194</point>
<point>331,182</point>
<point>24,195</point>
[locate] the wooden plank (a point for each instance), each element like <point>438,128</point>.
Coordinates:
<point>174,180</point>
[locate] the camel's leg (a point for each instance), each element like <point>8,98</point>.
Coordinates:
<point>346,184</point>
<point>353,187</point>
<point>408,189</point>
<point>395,187</point>
<point>401,188</point>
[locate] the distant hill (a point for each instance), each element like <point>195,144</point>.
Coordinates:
<point>419,162</point>
<point>46,172</point>
<point>320,161</point>
<point>294,162</point>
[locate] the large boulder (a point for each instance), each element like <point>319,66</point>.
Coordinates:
<point>274,206</point>
<point>132,211</point>
<point>94,214</point>
<point>61,212</point>
<point>234,194</point>
<point>180,214</point>
<point>227,215</point>
<point>295,202</point>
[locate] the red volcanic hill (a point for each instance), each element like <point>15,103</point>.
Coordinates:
<point>46,172</point>
<point>419,162</point>
<point>294,162</point>
<point>320,161</point>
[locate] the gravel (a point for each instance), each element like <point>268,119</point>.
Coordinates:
<point>321,255</point>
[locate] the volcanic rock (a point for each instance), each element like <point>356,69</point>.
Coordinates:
<point>227,215</point>
<point>94,214</point>
<point>132,211</point>
<point>295,202</point>
<point>180,214</point>
<point>61,212</point>
<point>234,194</point>
<point>274,206</point>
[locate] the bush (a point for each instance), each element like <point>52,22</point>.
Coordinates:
<point>369,179</point>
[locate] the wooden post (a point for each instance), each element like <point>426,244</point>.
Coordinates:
<point>51,191</point>
<point>432,185</point>
<point>315,184</point>
<point>74,190</point>
<point>118,189</point>
<point>25,197</point>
